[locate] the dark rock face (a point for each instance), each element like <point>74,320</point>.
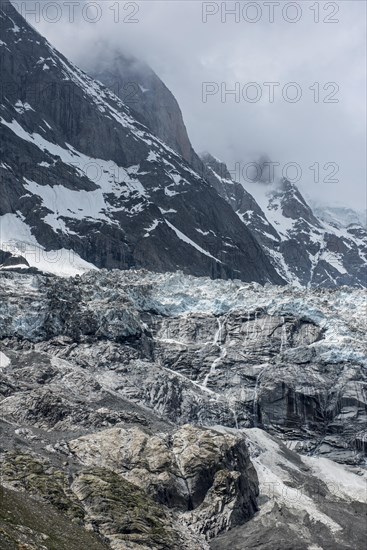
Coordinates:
<point>137,85</point>
<point>82,174</point>
<point>161,399</point>
<point>283,367</point>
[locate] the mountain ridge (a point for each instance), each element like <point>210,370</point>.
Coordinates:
<point>144,193</point>
<point>305,250</point>
<point>340,256</point>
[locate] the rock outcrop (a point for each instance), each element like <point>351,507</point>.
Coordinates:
<point>289,361</point>
<point>130,400</point>
<point>192,469</point>
<point>137,85</point>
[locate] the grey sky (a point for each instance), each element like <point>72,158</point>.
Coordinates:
<point>185,52</point>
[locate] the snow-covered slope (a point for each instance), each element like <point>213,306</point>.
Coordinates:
<point>82,177</point>
<point>340,216</point>
<point>307,247</point>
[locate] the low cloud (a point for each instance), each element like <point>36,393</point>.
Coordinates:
<point>255,71</point>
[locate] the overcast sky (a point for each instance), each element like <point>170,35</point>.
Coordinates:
<point>186,52</point>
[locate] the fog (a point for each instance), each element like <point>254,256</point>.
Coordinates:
<point>322,49</point>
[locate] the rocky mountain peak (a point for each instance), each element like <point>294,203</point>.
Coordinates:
<point>86,185</point>
<point>288,198</point>
<point>216,165</point>
<point>281,219</point>
<point>138,86</point>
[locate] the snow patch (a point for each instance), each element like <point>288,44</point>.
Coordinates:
<point>169,192</point>
<point>276,482</point>
<point>21,107</point>
<point>186,240</point>
<point>66,203</point>
<point>4,360</point>
<point>341,482</point>
<point>62,262</point>
<point>152,156</point>
<point>152,227</point>
<point>169,211</point>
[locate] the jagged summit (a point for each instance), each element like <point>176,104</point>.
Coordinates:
<point>305,250</point>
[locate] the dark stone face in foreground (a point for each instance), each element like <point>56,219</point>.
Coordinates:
<point>135,404</point>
